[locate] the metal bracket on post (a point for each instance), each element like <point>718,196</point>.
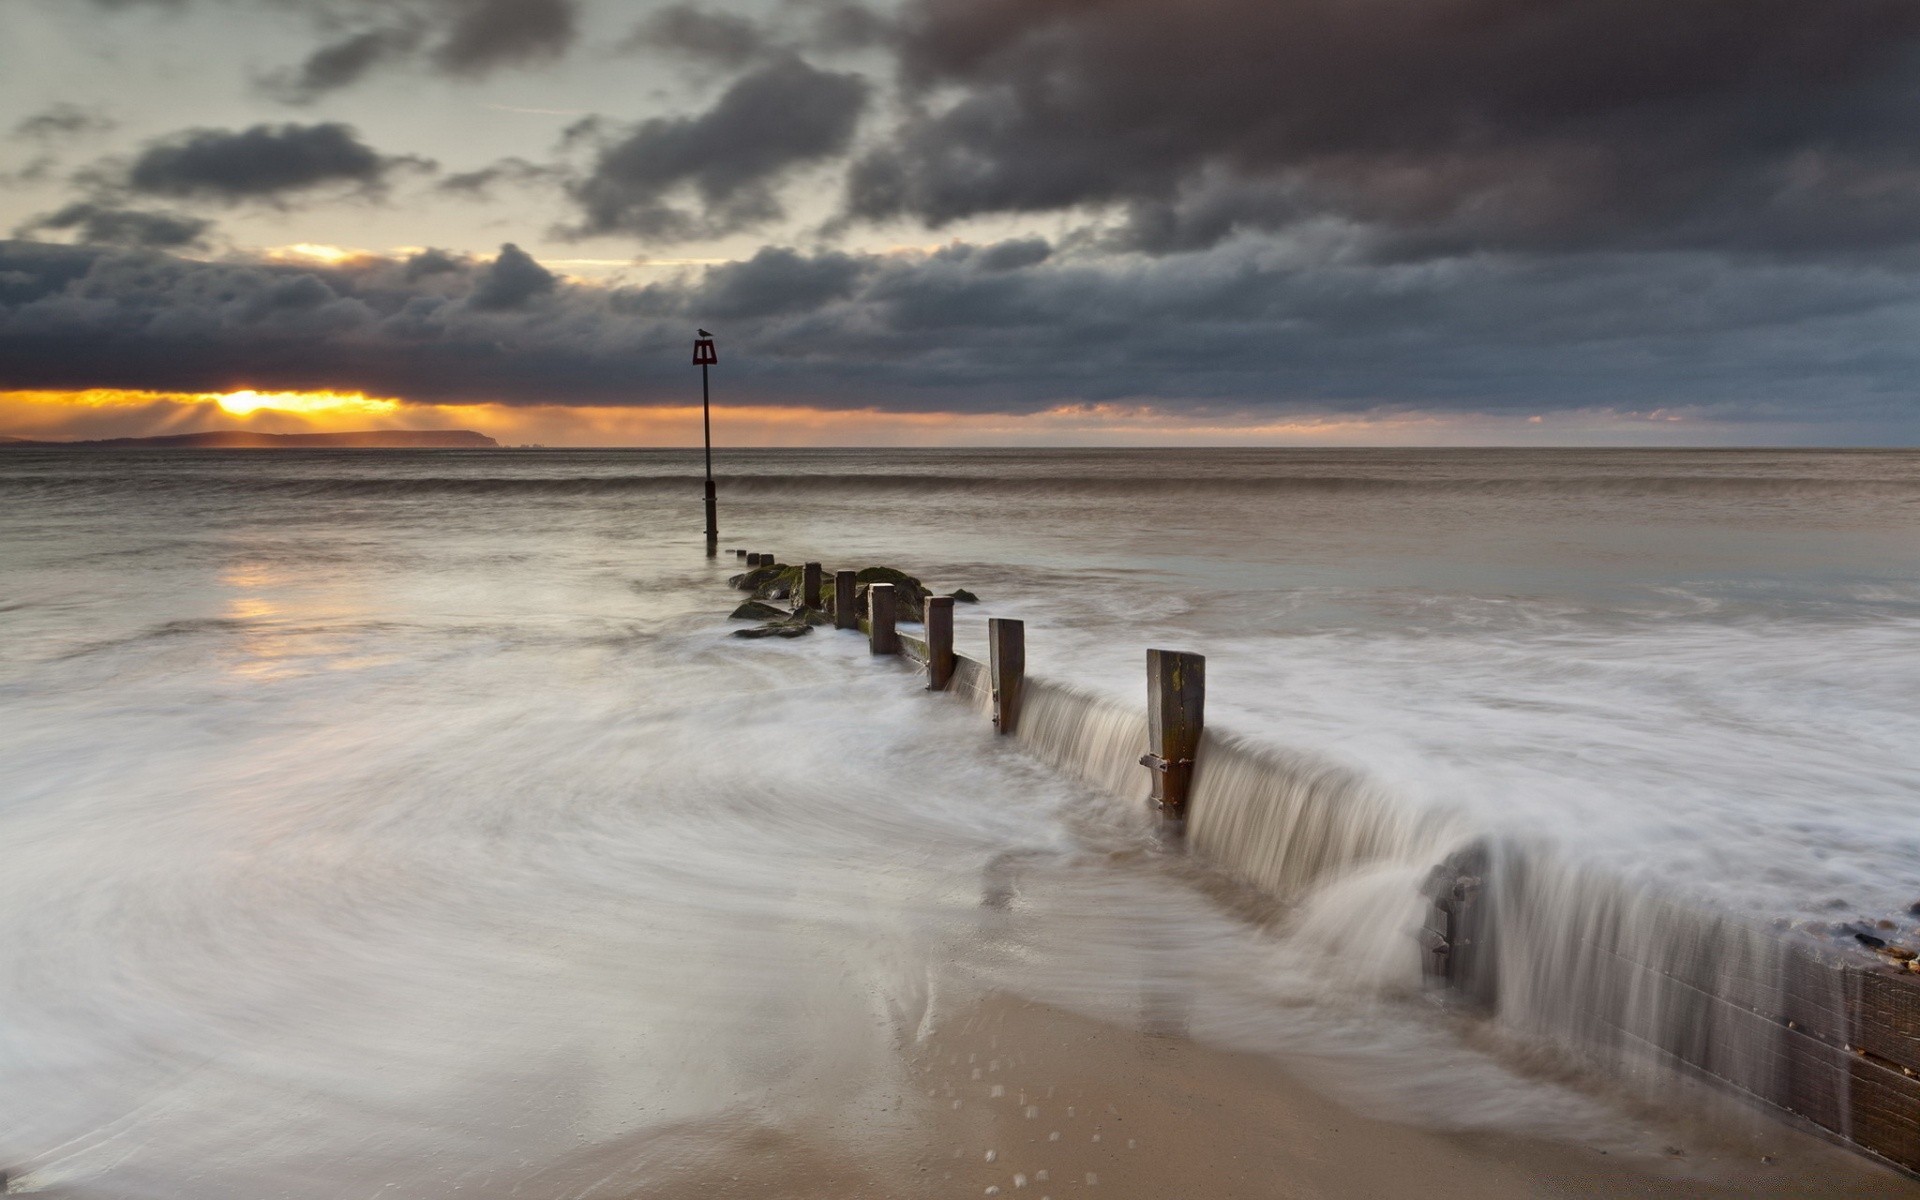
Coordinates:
<point>713,522</point>
<point>1176,713</point>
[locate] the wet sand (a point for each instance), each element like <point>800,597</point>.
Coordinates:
<point>1028,1102</point>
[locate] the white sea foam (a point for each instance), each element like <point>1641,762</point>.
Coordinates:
<point>406,818</point>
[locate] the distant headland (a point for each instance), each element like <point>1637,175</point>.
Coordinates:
<point>240,439</point>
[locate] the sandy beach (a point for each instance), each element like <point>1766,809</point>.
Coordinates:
<point>1022,1100</point>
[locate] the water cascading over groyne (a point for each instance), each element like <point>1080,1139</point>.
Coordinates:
<point>1637,985</point>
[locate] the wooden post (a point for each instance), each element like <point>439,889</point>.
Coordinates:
<point>1176,712</point>
<point>1007,642</point>
<point>753,560</point>
<point>739,553</point>
<point>939,642</point>
<point>810,586</point>
<point>881,636</point>
<point>844,617</point>
<point>766,560</point>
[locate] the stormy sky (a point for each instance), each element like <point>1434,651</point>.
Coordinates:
<point>1554,220</point>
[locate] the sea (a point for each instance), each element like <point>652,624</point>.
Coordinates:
<point>411,816</point>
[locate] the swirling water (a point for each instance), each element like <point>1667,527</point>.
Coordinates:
<point>381,817</point>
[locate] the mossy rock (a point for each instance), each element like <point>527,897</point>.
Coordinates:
<point>759,577</point>
<point>779,629</point>
<point>756,610</point>
<point>909,594</point>
<point>783,584</point>
<point>964,596</point>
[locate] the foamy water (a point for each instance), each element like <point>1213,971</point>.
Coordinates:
<point>405,818</point>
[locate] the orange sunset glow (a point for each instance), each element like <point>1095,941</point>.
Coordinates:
<point>113,413</point>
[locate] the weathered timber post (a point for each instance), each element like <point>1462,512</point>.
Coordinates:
<point>939,642</point>
<point>739,553</point>
<point>810,585</point>
<point>1007,643</point>
<point>881,636</point>
<point>753,560</point>
<point>843,600</point>
<point>1176,712</point>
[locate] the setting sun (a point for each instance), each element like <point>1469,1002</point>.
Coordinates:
<point>306,403</point>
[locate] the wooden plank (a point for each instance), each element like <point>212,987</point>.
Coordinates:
<point>1176,713</point>
<point>844,587</point>
<point>939,624</point>
<point>1007,643</point>
<point>1853,1099</point>
<point>912,647</point>
<point>882,638</point>
<point>1884,1016</point>
<point>810,586</point>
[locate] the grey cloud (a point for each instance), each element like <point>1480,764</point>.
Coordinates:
<point>1239,326</point>
<point>776,281</point>
<point>837,26</point>
<point>705,37</point>
<point>457,37</point>
<point>263,162</point>
<point>338,64</point>
<point>479,184</point>
<point>1543,124</point>
<point>1015,253</point>
<point>511,282</point>
<point>62,121</point>
<point>784,115</point>
<point>430,262</point>
<point>686,32</point>
<point>101,225</point>
<point>484,34</point>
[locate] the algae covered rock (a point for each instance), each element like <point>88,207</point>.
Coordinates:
<point>963,596</point>
<point>756,610</point>
<point>909,595</point>
<point>779,629</point>
<point>760,576</point>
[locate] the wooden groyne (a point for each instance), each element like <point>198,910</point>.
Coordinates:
<point>1827,1034</point>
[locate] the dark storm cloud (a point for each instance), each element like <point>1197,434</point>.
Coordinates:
<point>484,34</point>
<point>777,281</point>
<point>784,115</point>
<point>263,162</point>
<point>1237,328</point>
<point>101,225</point>
<point>510,282</point>
<point>431,262</point>
<point>1550,124</point>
